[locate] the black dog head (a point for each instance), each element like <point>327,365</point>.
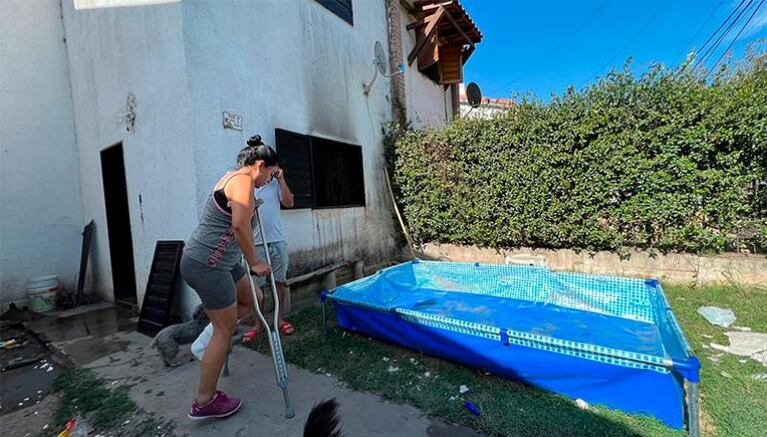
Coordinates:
<point>323,420</point>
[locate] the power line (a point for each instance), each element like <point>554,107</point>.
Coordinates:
<point>712,48</point>
<point>630,41</point>
<point>721,25</point>
<point>555,48</point>
<point>756,9</point>
<point>697,32</point>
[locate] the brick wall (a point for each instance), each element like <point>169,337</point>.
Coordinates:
<point>394,16</point>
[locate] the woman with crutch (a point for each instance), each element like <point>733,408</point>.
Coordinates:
<point>211,265</point>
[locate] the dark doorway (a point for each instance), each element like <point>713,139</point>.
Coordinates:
<point>118,224</point>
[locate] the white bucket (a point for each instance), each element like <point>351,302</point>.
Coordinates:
<point>199,345</point>
<point>42,292</point>
<point>49,281</point>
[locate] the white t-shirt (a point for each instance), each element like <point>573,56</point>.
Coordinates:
<point>269,212</point>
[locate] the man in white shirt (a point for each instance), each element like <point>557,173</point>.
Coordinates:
<point>274,194</point>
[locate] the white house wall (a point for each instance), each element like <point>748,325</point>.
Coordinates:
<point>292,65</point>
<point>428,103</point>
<point>296,66</point>
<point>41,214</point>
<point>116,48</point>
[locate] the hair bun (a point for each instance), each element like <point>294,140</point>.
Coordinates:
<point>255,140</point>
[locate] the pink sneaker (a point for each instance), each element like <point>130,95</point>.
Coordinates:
<point>219,405</point>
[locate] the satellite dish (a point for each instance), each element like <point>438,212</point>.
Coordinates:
<point>380,58</point>
<point>380,61</point>
<point>474,94</point>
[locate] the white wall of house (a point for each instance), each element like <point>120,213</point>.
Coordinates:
<point>291,65</point>
<point>116,48</point>
<point>296,66</point>
<point>428,103</point>
<point>41,214</point>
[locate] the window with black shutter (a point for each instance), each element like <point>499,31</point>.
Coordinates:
<point>321,173</point>
<point>342,8</point>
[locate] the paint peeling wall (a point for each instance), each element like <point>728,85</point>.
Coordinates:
<point>41,215</point>
<point>117,47</point>
<point>296,66</point>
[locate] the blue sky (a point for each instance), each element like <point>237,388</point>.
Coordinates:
<point>542,46</point>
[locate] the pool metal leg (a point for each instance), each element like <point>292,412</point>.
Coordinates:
<point>693,409</point>
<point>690,369</point>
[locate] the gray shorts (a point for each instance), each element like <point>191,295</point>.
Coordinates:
<point>216,287</point>
<point>278,252</point>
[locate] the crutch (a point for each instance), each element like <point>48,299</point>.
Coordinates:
<point>275,345</point>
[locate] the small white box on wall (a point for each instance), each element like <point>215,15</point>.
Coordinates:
<point>232,121</point>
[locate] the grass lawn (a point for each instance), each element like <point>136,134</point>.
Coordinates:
<point>105,410</point>
<point>733,403</point>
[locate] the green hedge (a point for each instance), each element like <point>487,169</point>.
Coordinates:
<point>664,161</point>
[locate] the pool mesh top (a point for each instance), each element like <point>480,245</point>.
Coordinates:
<point>600,316</point>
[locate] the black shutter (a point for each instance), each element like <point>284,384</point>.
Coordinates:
<point>342,8</point>
<point>155,310</point>
<point>338,177</point>
<point>295,153</point>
